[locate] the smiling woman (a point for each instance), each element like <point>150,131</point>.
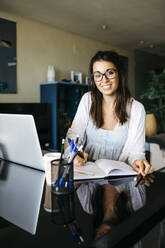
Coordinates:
<point>110,90</point>
<point>109,122</point>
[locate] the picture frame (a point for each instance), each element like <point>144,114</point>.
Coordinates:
<point>76,77</point>
<point>8,57</point>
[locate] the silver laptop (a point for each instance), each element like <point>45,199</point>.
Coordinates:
<point>21,191</point>
<point>19,141</point>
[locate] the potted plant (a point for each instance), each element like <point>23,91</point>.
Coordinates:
<point>154,97</point>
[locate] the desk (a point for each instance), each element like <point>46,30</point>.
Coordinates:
<point>147,213</point>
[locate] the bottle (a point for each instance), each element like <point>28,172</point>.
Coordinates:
<point>51,74</point>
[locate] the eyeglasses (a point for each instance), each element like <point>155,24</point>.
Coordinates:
<point>109,74</point>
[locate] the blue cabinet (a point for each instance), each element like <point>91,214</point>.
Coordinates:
<point>64,99</point>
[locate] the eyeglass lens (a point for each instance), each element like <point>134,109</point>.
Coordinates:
<point>110,73</point>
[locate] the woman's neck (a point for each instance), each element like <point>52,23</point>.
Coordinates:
<point>109,100</point>
<point>108,113</point>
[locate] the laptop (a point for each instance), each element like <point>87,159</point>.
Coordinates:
<point>22,174</point>
<point>21,190</point>
<point>19,140</point>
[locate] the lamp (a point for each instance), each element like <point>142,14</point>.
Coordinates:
<point>151,125</point>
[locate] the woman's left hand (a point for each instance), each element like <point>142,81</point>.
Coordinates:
<point>147,180</point>
<point>143,167</point>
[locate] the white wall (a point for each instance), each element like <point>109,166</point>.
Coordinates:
<point>39,45</point>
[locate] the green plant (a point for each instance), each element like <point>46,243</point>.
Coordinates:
<point>154,97</point>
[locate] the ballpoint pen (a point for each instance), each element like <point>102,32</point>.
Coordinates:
<point>61,179</point>
<point>80,154</point>
<point>77,139</point>
<point>71,145</point>
<point>139,180</point>
<point>61,157</point>
<point>66,170</point>
<point>76,232</point>
<point>62,150</point>
<point>74,153</point>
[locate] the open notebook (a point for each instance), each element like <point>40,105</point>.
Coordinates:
<point>103,168</point>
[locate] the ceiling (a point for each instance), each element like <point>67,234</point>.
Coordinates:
<point>129,24</point>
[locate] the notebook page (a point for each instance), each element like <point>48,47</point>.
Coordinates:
<point>112,167</point>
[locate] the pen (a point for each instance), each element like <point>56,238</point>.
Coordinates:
<point>139,180</point>
<point>62,150</point>
<point>74,153</point>
<point>77,139</point>
<point>72,144</point>
<point>72,147</point>
<point>80,154</point>
<point>76,232</point>
<point>66,170</point>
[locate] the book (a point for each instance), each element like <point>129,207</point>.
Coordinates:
<point>114,180</point>
<point>103,168</point>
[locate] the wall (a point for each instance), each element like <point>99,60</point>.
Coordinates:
<point>39,45</point>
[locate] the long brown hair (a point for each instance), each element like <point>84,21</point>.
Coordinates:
<point>123,93</point>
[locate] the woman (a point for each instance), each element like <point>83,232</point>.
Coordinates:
<point>109,122</point>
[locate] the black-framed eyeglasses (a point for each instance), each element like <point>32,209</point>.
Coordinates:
<point>109,74</point>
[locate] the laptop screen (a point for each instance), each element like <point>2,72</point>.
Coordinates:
<point>19,141</point>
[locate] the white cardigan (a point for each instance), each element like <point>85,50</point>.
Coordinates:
<point>134,147</point>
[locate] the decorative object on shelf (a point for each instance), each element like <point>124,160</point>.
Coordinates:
<point>3,85</point>
<point>66,80</point>
<point>76,77</point>
<point>154,97</point>
<point>51,73</point>
<point>6,43</point>
<point>151,125</point>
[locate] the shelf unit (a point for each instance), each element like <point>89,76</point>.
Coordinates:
<point>64,99</point>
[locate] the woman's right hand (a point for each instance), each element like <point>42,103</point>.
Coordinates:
<point>78,161</point>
